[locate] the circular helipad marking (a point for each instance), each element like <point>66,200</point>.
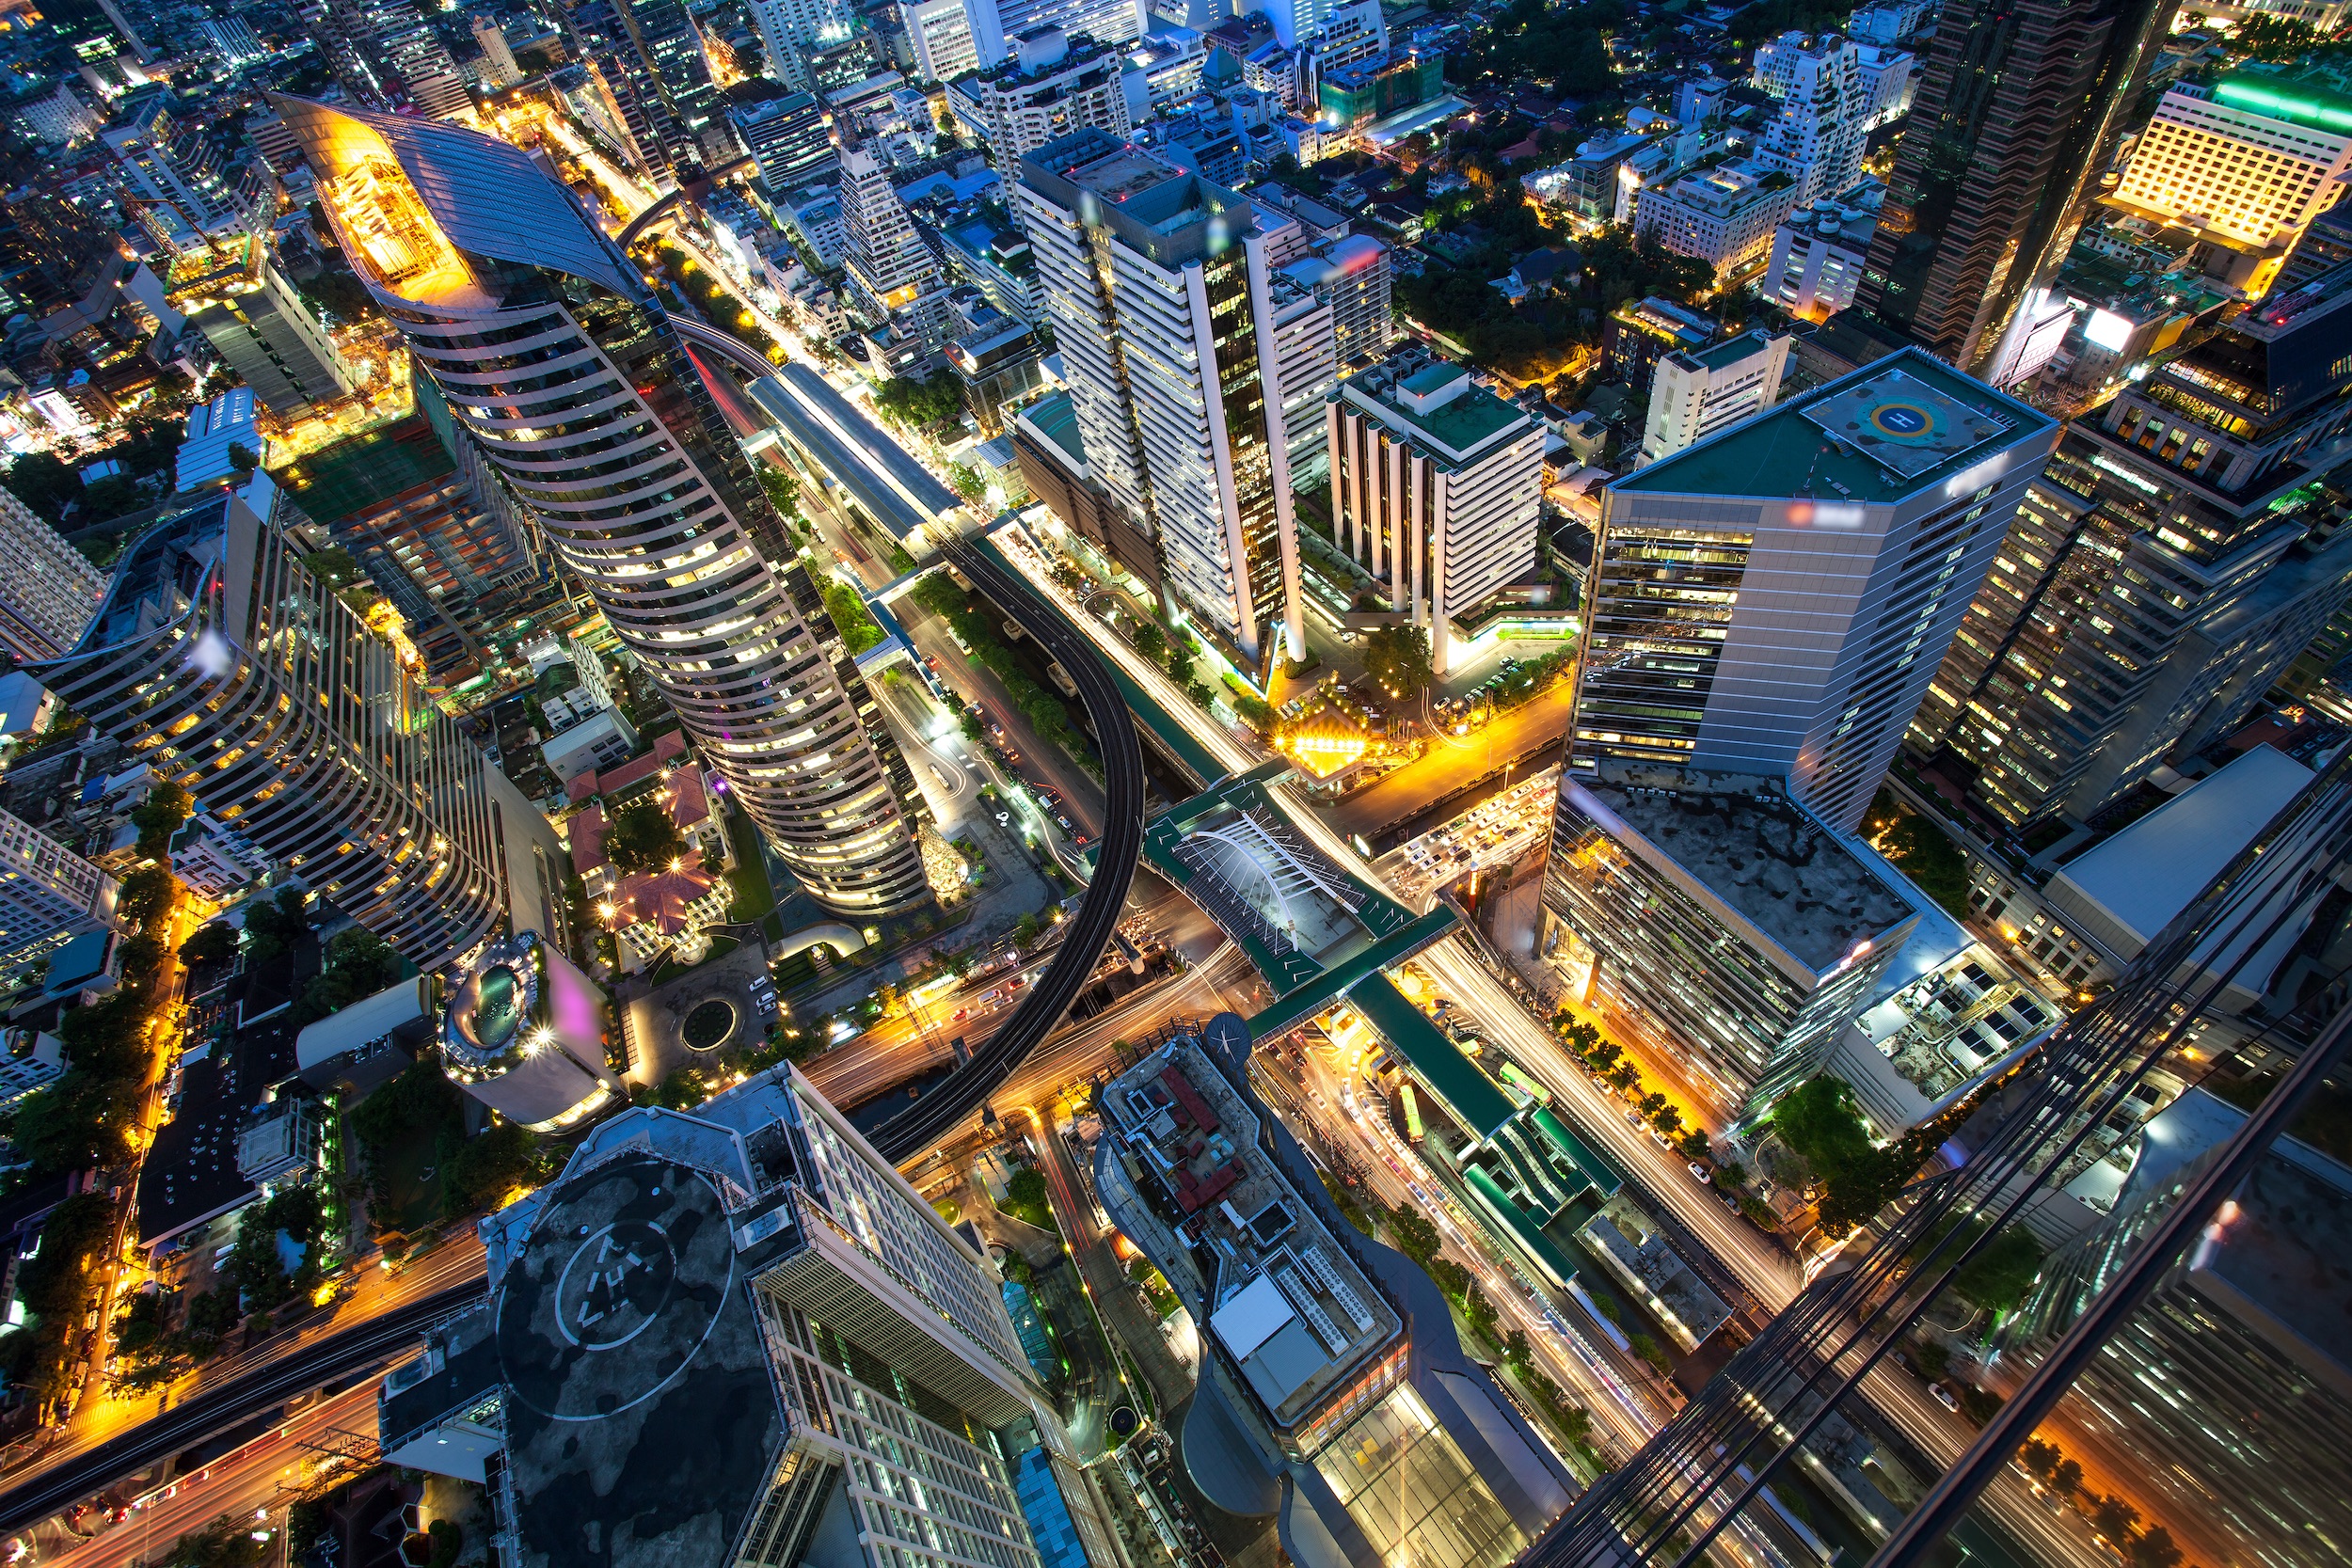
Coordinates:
<point>1901,418</point>
<point>614,1284</point>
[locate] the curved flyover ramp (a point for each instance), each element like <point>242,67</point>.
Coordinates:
<point>661,209</point>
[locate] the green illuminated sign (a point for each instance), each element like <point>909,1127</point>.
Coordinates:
<point>2308,111</point>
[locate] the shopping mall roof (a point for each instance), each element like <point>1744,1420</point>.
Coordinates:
<point>1294,1308</point>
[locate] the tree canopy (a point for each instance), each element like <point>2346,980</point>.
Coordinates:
<point>1398,657</point>
<point>642,838</point>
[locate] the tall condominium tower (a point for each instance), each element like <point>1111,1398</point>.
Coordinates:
<point>224,665</point>
<point>48,895</point>
<point>672,47</point>
<point>550,350</point>
<point>2162,572</point>
<point>48,588</point>
<point>257,325</point>
<point>2018,111</point>
<point>1049,85</point>
<point>818,1367</point>
<point>1436,486</point>
<point>1773,600</point>
<point>1816,134</point>
<point>1153,274</point>
<point>897,282</point>
<point>498,69</point>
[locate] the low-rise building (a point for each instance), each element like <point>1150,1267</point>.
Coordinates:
<point>604,740</point>
<point>1724,217</point>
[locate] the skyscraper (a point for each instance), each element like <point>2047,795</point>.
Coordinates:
<point>817,1362</point>
<point>1773,600</point>
<point>638,485</point>
<point>48,588</point>
<point>1153,273</point>
<point>1694,394</point>
<point>2019,106</point>
<point>1048,86</point>
<point>257,325</point>
<point>229,669</point>
<point>672,47</point>
<point>384,55</point>
<point>2161,573</point>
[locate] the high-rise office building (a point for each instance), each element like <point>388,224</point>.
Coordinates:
<point>609,41</point>
<point>1775,599</point>
<point>788,135</point>
<point>497,57</point>
<point>229,669</point>
<point>48,588</point>
<point>895,278</point>
<point>2245,164</point>
<point>1049,86</point>
<point>939,33</point>
<point>994,28</point>
<point>2017,114</point>
<point>2161,573</point>
<point>2181,1352</point>
<point>819,1366</point>
<point>1716,921</point>
<point>257,325</point>
<point>1437,485</point>
<point>1815,136</point>
<point>670,46</point>
<point>48,895</point>
<point>638,485</point>
<point>1153,273</point>
<point>1694,394</point>
<point>789,28</point>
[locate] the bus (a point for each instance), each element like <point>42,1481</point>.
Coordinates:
<point>1412,1112</point>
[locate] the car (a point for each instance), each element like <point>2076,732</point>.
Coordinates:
<point>1700,1171</point>
<point>1944,1397</point>
<point>961,1013</point>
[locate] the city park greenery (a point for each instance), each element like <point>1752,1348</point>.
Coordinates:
<point>641,837</point>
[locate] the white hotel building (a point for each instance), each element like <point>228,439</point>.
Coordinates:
<point>1436,487</point>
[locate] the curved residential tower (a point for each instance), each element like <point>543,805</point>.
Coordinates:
<point>554,355</point>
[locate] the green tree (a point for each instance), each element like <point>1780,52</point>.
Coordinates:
<point>783,487</point>
<point>2066,1477</point>
<point>45,482</point>
<point>358,965</point>
<point>919,405</point>
<point>2156,1549</point>
<point>243,459</point>
<point>1150,641</point>
<point>1998,1277</point>
<point>159,818</point>
<point>501,1156</point>
<point>1413,1234</point>
<point>1398,657</point>
<point>210,943</point>
<point>846,607</point>
<point>148,894</point>
<point>1693,1145</point>
<point>642,838</point>
<point>967,482</point>
<point>274,926</point>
